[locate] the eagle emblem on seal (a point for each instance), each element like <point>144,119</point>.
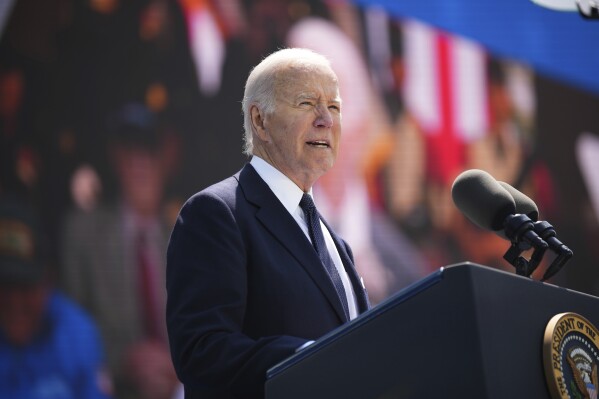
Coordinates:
<point>584,372</point>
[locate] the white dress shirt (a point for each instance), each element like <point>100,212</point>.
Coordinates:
<point>290,196</point>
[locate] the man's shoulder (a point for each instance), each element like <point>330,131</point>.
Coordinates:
<point>229,188</point>
<point>223,189</point>
<point>102,212</point>
<point>223,192</point>
<point>71,324</point>
<point>101,220</point>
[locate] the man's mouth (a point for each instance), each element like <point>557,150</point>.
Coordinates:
<point>318,143</point>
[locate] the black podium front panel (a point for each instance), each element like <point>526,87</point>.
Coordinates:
<point>465,331</point>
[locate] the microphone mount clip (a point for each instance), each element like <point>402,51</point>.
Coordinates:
<point>520,230</point>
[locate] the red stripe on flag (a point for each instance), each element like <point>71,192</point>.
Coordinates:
<point>445,149</point>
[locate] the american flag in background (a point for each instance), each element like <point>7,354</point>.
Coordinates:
<point>446,91</point>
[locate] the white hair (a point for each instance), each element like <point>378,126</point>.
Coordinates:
<point>261,84</point>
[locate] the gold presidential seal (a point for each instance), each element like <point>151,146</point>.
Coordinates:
<point>571,357</point>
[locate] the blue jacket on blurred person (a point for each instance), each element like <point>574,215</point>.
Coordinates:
<point>49,347</point>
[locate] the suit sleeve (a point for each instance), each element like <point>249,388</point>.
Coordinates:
<point>207,286</point>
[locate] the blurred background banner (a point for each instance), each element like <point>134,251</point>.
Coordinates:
<point>429,89</point>
<point>558,43</point>
<point>114,112</point>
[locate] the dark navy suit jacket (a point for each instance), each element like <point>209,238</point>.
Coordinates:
<point>245,288</point>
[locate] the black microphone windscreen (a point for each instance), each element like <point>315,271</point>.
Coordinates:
<point>482,199</point>
<point>524,204</point>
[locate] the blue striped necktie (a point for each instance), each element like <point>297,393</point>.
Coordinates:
<point>313,219</point>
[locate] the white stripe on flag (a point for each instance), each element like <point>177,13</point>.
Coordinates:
<point>420,89</point>
<point>469,89</point>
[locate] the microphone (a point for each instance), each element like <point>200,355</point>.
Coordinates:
<point>489,205</point>
<point>482,200</point>
<point>524,204</point>
<point>543,228</point>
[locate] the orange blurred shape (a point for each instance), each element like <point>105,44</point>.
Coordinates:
<point>156,97</point>
<point>104,6</point>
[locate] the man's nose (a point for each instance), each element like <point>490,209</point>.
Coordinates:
<point>324,117</point>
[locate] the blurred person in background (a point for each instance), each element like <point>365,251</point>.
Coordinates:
<point>114,256</point>
<point>395,160</point>
<point>49,347</point>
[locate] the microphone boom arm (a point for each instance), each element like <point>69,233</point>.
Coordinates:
<point>546,231</point>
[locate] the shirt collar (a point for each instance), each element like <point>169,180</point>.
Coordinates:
<point>284,189</point>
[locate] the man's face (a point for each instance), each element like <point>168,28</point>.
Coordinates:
<point>142,179</point>
<point>302,135</point>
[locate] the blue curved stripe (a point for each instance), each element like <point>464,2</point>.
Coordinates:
<point>562,45</point>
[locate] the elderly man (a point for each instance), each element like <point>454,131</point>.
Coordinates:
<point>253,272</point>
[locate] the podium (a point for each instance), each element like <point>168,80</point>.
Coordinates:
<point>465,331</point>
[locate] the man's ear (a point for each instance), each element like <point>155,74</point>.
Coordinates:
<point>257,117</point>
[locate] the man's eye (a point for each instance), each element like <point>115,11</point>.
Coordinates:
<point>335,107</point>
<point>306,103</point>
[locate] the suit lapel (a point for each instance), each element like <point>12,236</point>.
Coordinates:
<point>275,218</point>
